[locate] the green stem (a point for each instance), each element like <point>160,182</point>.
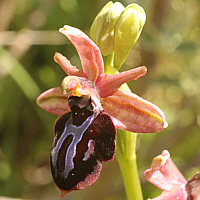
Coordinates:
<point>108,64</point>
<point>126,148</point>
<point>126,157</point>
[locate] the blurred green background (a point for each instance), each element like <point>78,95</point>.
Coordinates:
<point>29,37</point>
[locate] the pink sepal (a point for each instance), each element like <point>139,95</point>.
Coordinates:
<point>132,113</point>
<point>54,101</point>
<point>90,55</point>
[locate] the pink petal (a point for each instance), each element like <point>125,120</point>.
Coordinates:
<point>132,113</point>
<point>88,51</point>
<point>66,65</point>
<point>164,173</point>
<point>54,101</point>
<point>108,85</point>
<point>176,193</point>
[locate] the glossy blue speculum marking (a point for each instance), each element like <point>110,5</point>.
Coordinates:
<point>77,133</point>
<point>84,138</point>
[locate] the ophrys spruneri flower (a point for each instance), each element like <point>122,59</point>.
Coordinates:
<point>90,105</point>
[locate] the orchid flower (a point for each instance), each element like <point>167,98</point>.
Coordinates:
<point>127,110</point>
<point>91,105</point>
<point>165,175</point>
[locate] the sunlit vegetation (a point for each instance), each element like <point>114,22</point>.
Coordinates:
<point>29,37</point>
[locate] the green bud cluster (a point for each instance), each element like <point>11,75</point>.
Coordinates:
<point>116,29</point>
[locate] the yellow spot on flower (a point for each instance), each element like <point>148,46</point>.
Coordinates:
<point>76,91</point>
<point>71,84</point>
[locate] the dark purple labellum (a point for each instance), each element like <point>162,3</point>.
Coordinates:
<point>84,138</point>
<point>193,187</point>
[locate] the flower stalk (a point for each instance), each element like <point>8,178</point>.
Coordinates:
<point>126,157</point>
<point>126,149</point>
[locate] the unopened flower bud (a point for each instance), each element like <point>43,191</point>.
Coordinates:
<point>102,29</point>
<point>127,31</point>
